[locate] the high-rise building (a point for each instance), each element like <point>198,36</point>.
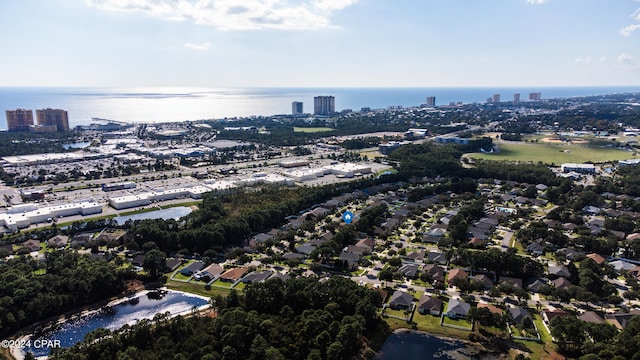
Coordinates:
<point>535,96</point>
<point>431,101</point>
<point>296,108</point>
<point>324,105</point>
<point>53,117</point>
<point>19,119</point>
<point>516,97</point>
<point>496,98</point>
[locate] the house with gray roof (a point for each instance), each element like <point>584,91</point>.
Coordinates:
<point>457,309</point>
<point>257,277</point>
<point>401,300</point>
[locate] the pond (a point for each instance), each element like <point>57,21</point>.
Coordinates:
<point>422,346</point>
<point>80,145</point>
<point>170,213</point>
<point>116,315</point>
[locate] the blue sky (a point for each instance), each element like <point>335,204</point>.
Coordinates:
<point>319,43</point>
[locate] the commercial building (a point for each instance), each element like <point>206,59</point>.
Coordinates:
<point>19,119</point>
<point>516,97</point>
<point>496,98</point>
<point>431,101</point>
<point>579,168</point>
<point>535,96</point>
<point>296,108</point>
<point>53,117</point>
<point>22,216</point>
<point>324,105</point>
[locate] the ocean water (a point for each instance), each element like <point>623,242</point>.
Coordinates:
<point>175,104</point>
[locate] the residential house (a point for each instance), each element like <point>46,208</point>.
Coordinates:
<point>192,268</point>
<point>620,265</point>
<point>409,270</point>
<point>257,277</point>
<point>597,258</point>
<point>368,244</point>
<point>172,264</point>
<point>260,239</point>
<point>621,320</point>
<point>281,276</point>
<point>81,239</point>
<point>515,282</point>
<point>6,250</point>
<point>32,245</point>
<point>305,249</point>
<point>434,235</point>
<point>537,286</point>
<point>436,257</point>
<point>58,241</point>
<point>401,300</point>
<point>138,260</point>
<point>535,248</point>
<point>591,317</point>
<point>351,259</point>
<point>492,308</point>
<point>518,314</point>
<point>210,272</point>
<point>456,273</point>
<point>561,283</point>
<point>457,309</point>
<point>233,274</point>
<point>429,305</point>
<point>484,280</point>
<point>559,271</point>
<point>549,314</point>
<point>293,256</point>
<point>571,254</point>
<point>436,272</point>
<point>416,255</point>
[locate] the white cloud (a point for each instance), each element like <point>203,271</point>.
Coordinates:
<point>625,59</point>
<point>636,15</point>
<point>203,46</point>
<point>233,14</point>
<point>536,2</point>
<point>626,31</point>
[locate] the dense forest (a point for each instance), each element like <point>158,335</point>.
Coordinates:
<point>302,318</point>
<point>25,143</point>
<point>32,290</point>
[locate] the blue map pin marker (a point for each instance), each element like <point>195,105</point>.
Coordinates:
<point>347,217</point>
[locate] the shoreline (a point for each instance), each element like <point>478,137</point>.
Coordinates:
<point>19,353</point>
<point>467,350</point>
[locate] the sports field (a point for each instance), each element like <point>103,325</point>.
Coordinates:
<point>554,154</point>
<point>312,129</point>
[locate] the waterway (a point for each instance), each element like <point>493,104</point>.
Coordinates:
<point>116,315</point>
<point>416,345</point>
<point>170,213</point>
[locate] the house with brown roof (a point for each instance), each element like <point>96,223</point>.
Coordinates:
<point>492,308</point>
<point>591,317</point>
<point>429,305</point>
<point>597,258</point>
<point>58,241</point>
<point>561,283</point>
<point>32,245</point>
<point>515,282</point>
<point>233,274</point>
<point>456,273</point>
<point>549,315</point>
<point>483,279</point>
<point>435,271</point>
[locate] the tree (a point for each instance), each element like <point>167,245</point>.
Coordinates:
<point>154,262</point>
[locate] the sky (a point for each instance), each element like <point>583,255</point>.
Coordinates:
<point>320,43</point>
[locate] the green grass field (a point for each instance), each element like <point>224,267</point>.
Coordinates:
<point>554,153</point>
<point>312,129</point>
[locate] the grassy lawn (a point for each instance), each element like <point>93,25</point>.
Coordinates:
<point>398,313</point>
<point>431,324</point>
<point>196,288</point>
<point>312,129</point>
<point>240,286</point>
<point>554,154</point>
<point>457,322</point>
<point>222,284</point>
<point>179,276</point>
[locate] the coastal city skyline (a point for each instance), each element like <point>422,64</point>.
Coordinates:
<point>323,43</point>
